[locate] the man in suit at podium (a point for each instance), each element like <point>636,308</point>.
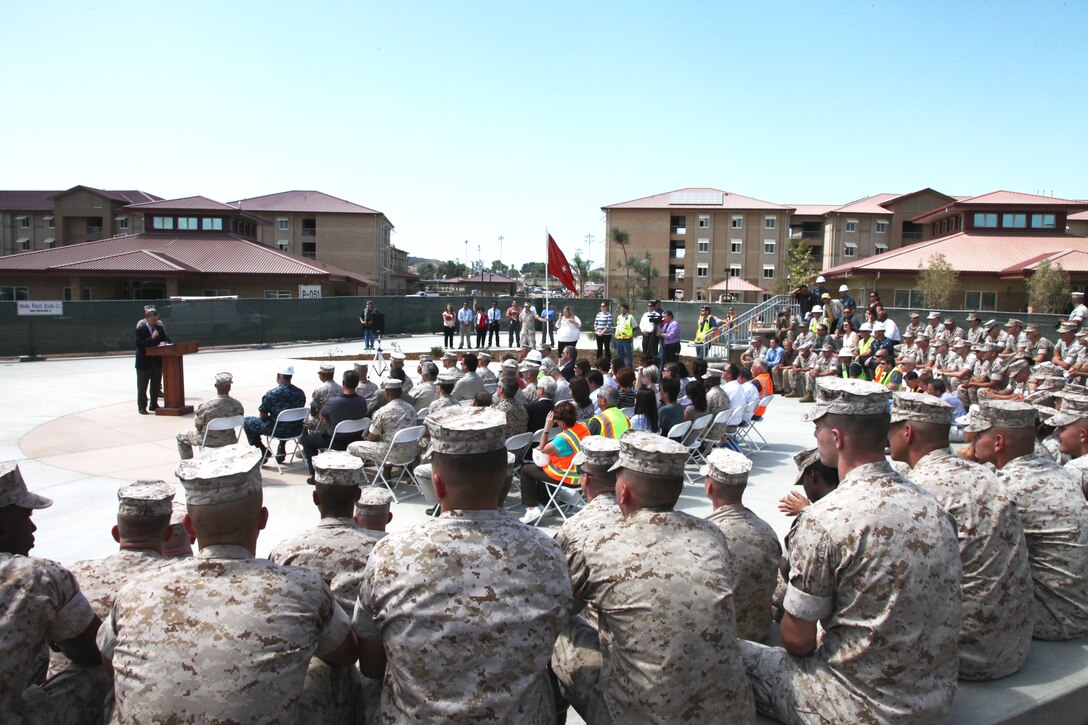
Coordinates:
<point>149,333</point>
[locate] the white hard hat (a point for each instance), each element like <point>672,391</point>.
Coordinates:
<point>865,327</point>
<point>843,288</point>
<point>820,279</point>
<point>878,325</point>
<point>287,369</point>
<point>817,308</point>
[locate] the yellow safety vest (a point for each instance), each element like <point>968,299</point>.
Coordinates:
<point>703,328</point>
<point>624,327</point>
<point>864,346</point>
<point>613,422</point>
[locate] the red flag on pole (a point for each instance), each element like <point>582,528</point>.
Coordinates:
<point>558,266</point>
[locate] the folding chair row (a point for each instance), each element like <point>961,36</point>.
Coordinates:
<point>291,415</point>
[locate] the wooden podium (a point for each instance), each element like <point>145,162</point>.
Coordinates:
<point>173,376</point>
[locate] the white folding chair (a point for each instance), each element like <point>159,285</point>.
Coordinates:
<point>744,431</point>
<point>519,445</point>
<point>678,431</point>
<point>422,415</point>
<point>491,387</point>
<point>404,436</point>
<point>753,428</point>
<point>721,419</point>
<point>563,498</point>
<point>347,427</point>
<point>228,423</point>
<point>693,441</point>
<point>291,415</point>
<point>629,412</point>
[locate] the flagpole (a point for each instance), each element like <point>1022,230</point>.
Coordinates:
<point>547,257</point>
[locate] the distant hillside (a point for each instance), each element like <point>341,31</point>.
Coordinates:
<point>414,261</point>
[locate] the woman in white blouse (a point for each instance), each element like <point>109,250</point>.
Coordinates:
<point>567,329</point>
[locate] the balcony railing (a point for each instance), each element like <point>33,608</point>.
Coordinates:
<point>807,235</point>
<point>309,231</point>
<point>94,230</point>
<point>912,236</point>
<point>677,252</point>
<point>679,231</point>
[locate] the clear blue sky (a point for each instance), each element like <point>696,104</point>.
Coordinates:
<point>471,120</point>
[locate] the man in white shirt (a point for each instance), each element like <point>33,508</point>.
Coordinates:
<point>734,390</point>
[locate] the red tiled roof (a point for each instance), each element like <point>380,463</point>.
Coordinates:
<point>189,203</point>
<point>892,202</point>
<point>735,284</point>
<point>27,200</point>
<point>868,205</point>
<point>302,201</point>
<point>967,253</point>
<point>225,254</point>
<point>729,201</point>
<point>1080,216</point>
<point>488,277</point>
<point>1071,260</point>
<point>812,209</point>
<point>997,199</point>
<point>134,196</point>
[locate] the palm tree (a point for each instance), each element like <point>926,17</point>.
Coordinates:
<point>581,272</point>
<point>621,237</point>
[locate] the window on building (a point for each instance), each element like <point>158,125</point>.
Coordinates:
<point>162,222</point>
<point>702,269</point>
<point>980,301</point>
<point>769,246</point>
<point>679,273</point>
<point>187,223</point>
<point>283,224</point>
<point>738,222</point>
<point>85,294</point>
<point>309,249</point>
<point>768,271</point>
<point>703,245</point>
<point>704,221</point>
<point>678,224</point>
<point>735,246</point>
<point>985,220</point>
<point>734,270</point>
<point>94,225</point>
<point>49,242</point>
<point>67,294</point>
<point>211,224</point>
<point>677,250</point>
<point>122,223</point>
<point>309,227</point>
<point>1042,221</point>
<point>851,225</point>
<point>880,248</point>
<point>850,250</point>
<point>908,298</point>
<point>50,223</point>
<point>277,294</point>
<point>8,294</point>
<point>24,244</point>
<point>1014,221</point>
<point>770,222</point>
<point>881,227</point>
<point>284,245</point>
<point>24,222</point>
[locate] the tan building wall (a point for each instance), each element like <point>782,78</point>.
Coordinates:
<point>905,210</point>
<point>39,231</point>
<point>974,292</point>
<point>1077,227</point>
<point>862,241</point>
<point>79,213</point>
<point>649,230</point>
<point>49,287</point>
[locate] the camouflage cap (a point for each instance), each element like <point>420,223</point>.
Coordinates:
<point>373,501</point>
<point>448,375</point>
<point>1031,328</point>
<point>1002,414</point>
<point>949,321</point>
<point>648,452</point>
<point>922,336</point>
<point>1068,327</point>
<point>972,317</point>
<point>959,342</point>
<point>396,355</point>
<point>990,324</point>
<point>13,491</point>
<point>426,357</point>
<point>465,430</point>
<point>597,451</point>
<point>915,314</point>
<point>920,408</point>
<point>145,499</point>
<point>338,468</point>
<point>221,475</point>
<point>509,364</point>
<point>361,369</point>
<point>1017,366</point>
<point>484,357</point>
<point>933,316</point>
<point>804,460</point>
<point>224,379</point>
<point>449,355</point>
<point>847,396</point>
<point>1013,322</point>
<point>828,347</point>
<point>177,512</point>
<point>1074,408</point>
<point>327,367</point>
<point>805,344</point>
<point>907,333</point>
<point>391,384</point>
<point>727,466</point>
<point>714,371</point>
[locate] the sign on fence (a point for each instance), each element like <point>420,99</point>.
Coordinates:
<point>309,291</point>
<point>39,308</point>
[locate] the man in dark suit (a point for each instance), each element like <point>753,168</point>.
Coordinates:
<point>545,400</point>
<point>566,362</point>
<point>149,333</point>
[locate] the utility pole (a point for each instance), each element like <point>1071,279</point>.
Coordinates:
<point>501,238</point>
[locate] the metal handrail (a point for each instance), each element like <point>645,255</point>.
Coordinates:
<point>719,341</point>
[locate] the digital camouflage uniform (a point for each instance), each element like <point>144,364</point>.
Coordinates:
<point>799,378</point>
<point>467,634</point>
<point>1079,468</point>
<point>1055,516</point>
<point>440,403</point>
<point>221,406</point>
<point>40,602</point>
<point>517,417</point>
<point>754,553</point>
<point>101,579</point>
<point>320,395</point>
<point>219,637</point>
<point>976,335</point>
<point>486,374</point>
<point>717,400</point>
<point>421,396</point>
<point>661,584</point>
<point>390,419</point>
<point>996,579</point>
<point>280,398</point>
<point>888,650</point>
<point>337,549</point>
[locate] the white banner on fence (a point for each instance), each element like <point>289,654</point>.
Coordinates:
<point>309,291</point>
<point>39,307</point>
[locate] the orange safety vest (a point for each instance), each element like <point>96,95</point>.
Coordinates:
<point>766,387</point>
<point>558,465</point>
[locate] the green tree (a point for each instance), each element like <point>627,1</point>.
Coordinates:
<point>800,268</point>
<point>1048,289</point>
<point>533,269</point>
<point>937,281</point>
<point>498,267</point>
<point>426,270</point>
<point>581,273</point>
<point>644,272</point>
<point>451,268</point>
<point>622,238</point>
